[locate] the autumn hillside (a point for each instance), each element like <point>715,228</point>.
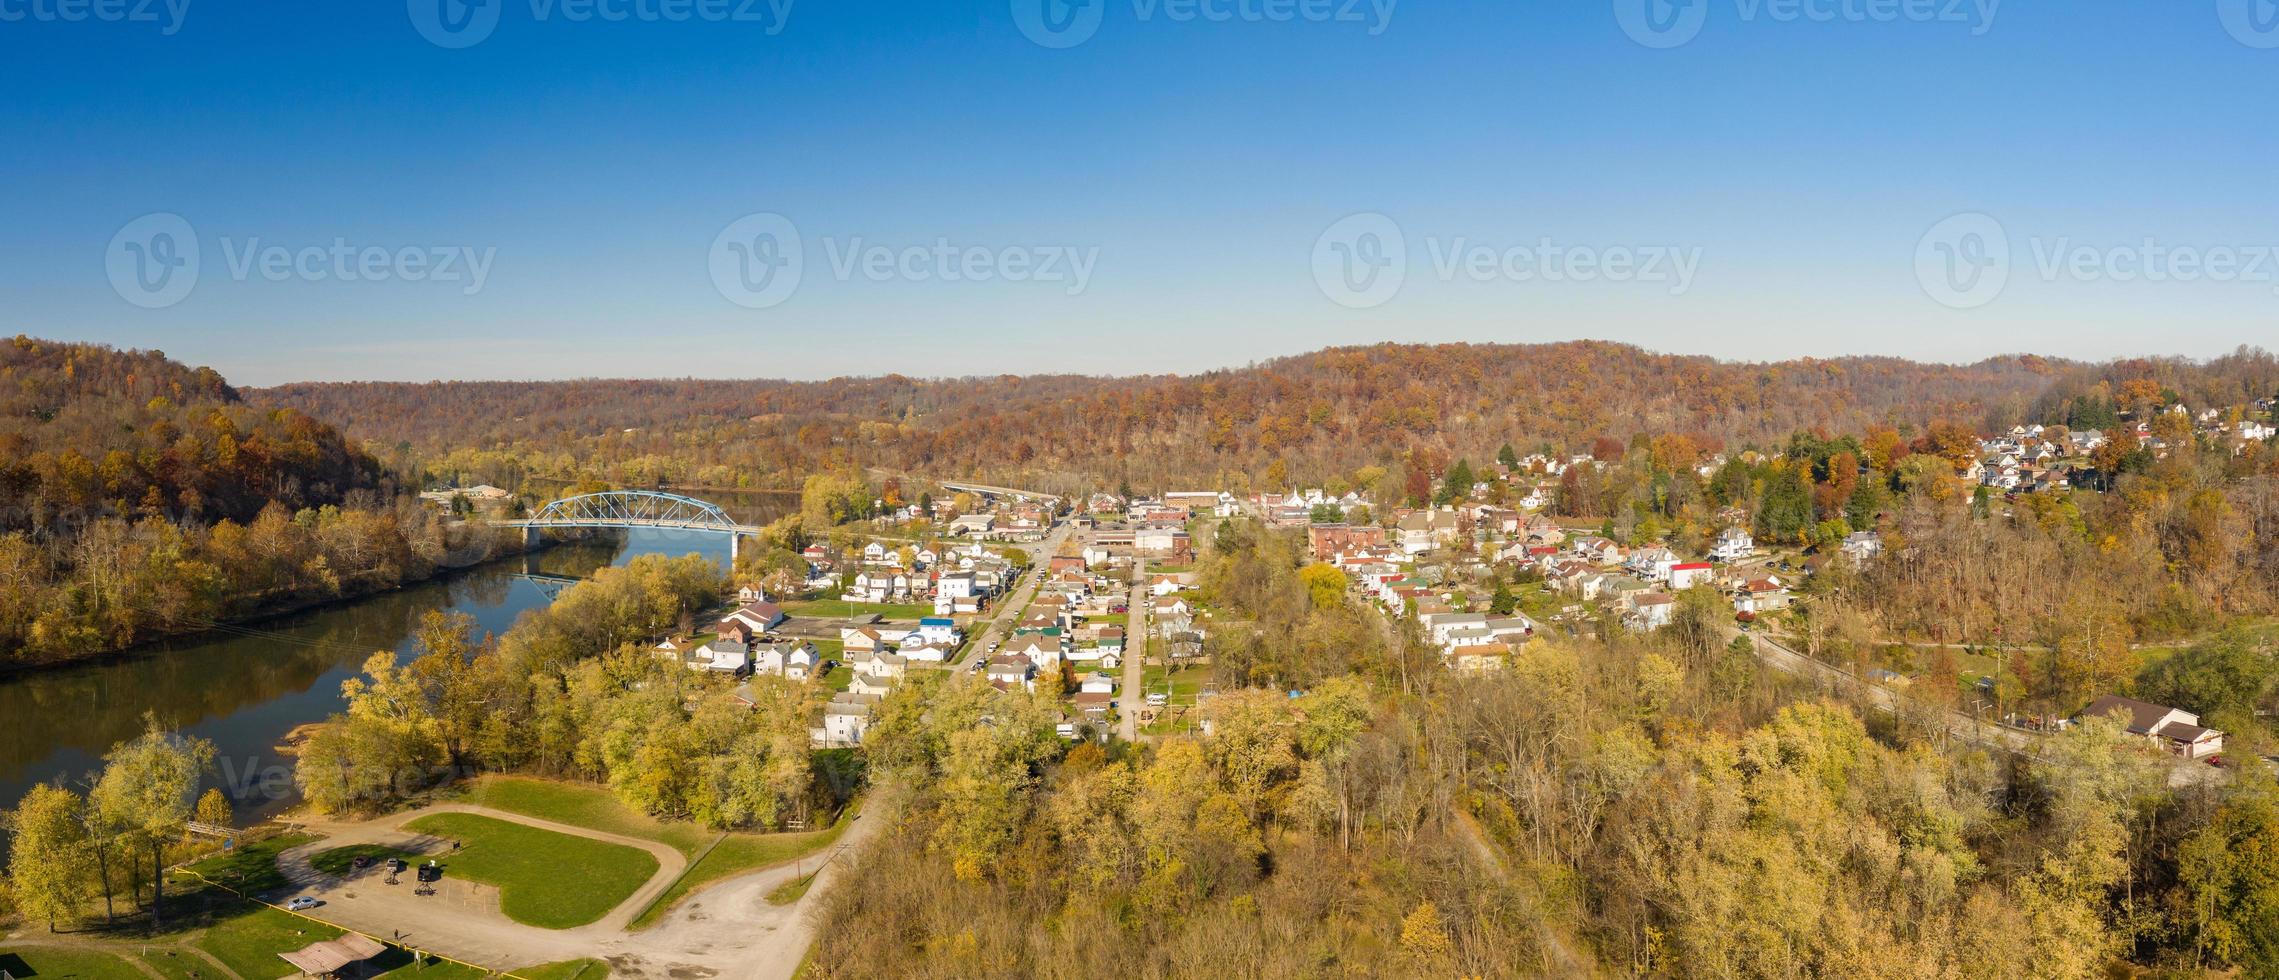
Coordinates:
<point>1319,414</point>
<point>87,429</point>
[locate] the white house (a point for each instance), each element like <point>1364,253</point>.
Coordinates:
<point>846,718</point>
<point>1862,545</point>
<point>1733,544</point>
<point>1042,649</point>
<point>2172,729</point>
<point>938,631</point>
<point>772,658</point>
<point>879,664</point>
<point>723,656</point>
<point>759,617</point>
<point>1688,574</point>
<point>1652,610</point>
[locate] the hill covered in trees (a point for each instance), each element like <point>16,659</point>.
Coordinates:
<point>1316,416</point>
<point>89,429</point>
<point>141,497</point>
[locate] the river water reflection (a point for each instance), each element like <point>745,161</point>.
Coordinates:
<point>246,688</point>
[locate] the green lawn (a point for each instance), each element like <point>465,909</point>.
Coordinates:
<point>545,879</point>
<point>793,890</point>
<point>1185,684</point>
<point>177,963</point>
<point>842,609</point>
<point>1110,619</point>
<point>583,805</point>
<point>77,964</point>
<point>248,944</point>
<point>571,970</point>
<point>593,807</point>
<point>738,853</point>
<point>339,862</point>
<point>839,678</point>
<point>251,868</point>
<point>430,970</point>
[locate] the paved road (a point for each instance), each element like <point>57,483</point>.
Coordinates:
<point>726,930</point>
<point>1131,694</point>
<point>1961,725</point>
<point>1001,625</point>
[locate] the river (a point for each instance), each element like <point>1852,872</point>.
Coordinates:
<point>245,688</point>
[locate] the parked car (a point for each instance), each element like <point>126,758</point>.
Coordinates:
<point>302,904</point>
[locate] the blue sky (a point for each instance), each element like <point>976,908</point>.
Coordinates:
<point>1792,158</point>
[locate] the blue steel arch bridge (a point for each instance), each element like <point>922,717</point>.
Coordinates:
<point>635,509</point>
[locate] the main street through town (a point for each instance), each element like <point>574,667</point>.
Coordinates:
<point>1009,611</point>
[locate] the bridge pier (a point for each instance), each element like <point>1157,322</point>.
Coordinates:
<point>735,543</point>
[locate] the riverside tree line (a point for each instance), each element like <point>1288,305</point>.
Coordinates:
<point>574,691</point>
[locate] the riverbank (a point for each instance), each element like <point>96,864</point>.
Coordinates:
<point>520,551</point>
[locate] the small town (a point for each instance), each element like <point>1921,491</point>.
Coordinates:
<point>1639,490</point>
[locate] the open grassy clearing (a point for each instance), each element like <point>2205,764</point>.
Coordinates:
<point>56,963</point>
<point>569,970</point>
<point>249,943</point>
<point>739,853</point>
<point>545,879</point>
<point>593,807</point>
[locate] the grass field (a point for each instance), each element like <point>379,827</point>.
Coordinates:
<point>76,964</point>
<point>177,963</point>
<point>738,853</point>
<point>404,969</point>
<point>545,879</point>
<point>793,890</point>
<point>571,970</point>
<point>248,944</point>
<point>340,861</point>
<point>842,609</point>
<point>583,805</point>
<point>593,807</point>
<point>1185,684</point>
<point>252,868</point>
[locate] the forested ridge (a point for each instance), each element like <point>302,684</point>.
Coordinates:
<point>1317,415</point>
<point>141,497</point>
